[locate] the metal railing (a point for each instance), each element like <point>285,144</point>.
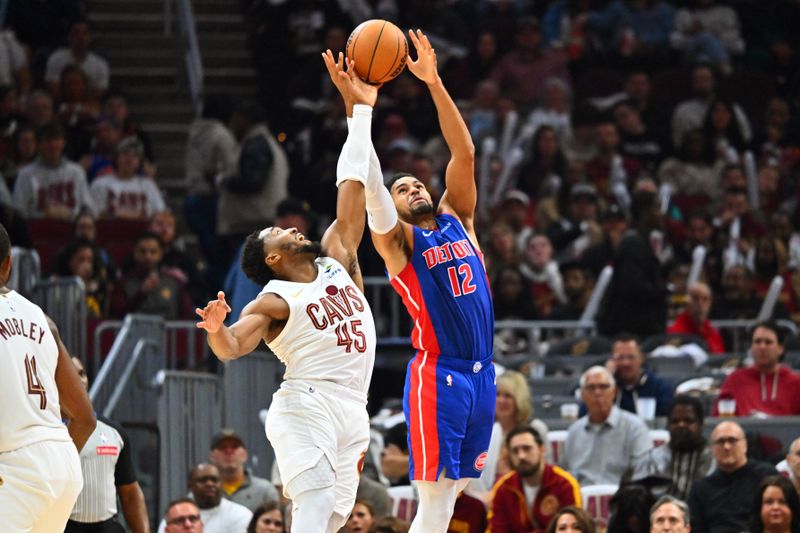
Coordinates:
<point>189,409</point>
<point>26,270</point>
<point>64,300</point>
<point>191,46</point>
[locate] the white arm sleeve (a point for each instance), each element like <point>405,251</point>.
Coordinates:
<point>354,159</point>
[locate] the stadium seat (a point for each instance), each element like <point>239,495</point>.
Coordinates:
<point>557,440</point>
<point>582,345</point>
<point>596,502</point>
<point>404,502</point>
<point>48,237</point>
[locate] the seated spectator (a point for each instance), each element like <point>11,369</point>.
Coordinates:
<point>542,274</point>
<point>469,515</point>
<point>178,513</point>
<point>100,161</point>
<point>361,518</point>
<point>229,454</point>
<point>86,228</point>
<point>14,69</point>
<point>708,32</point>
<point>78,54</point>
<point>40,109</point>
<point>633,380</point>
<point>151,287</point>
<point>125,194</point>
<point>500,250</point>
<point>637,141</point>
<point>267,518</point>
<point>629,508</point>
<point>390,524</point>
<point>527,498</point>
<point>767,387</point>
<point>22,152</point>
<point>52,186</point>
<point>777,507</point>
<point>218,514</point>
<point>738,299</point>
<point>723,131</point>
<point>81,258</point>
<point>512,301</point>
<point>544,167</point>
<point>575,232</point>
<point>611,171</point>
<point>723,501</point>
<point>607,441</point>
<point>692,172</point>
<point>115,105</point>
<point>694,319</point>
<point>669,515</point>
<point>578,286</point>
<point>571,518</point>
<point>793,462</point>
<point>638,28</point>
<point>163,225</point>
<point>685,458</point>
<point>512,409</point>
<point>78,111</point>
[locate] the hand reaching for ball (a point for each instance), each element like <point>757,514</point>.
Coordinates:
<point>353,89</point>
<point>424,67</point>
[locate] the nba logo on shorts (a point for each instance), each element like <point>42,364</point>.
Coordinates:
<point>480,462</point>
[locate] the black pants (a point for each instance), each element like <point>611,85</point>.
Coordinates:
<point>106,526</point>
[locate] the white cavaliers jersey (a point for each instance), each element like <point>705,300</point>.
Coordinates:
<point>29,407</point>
<point>330,333</point>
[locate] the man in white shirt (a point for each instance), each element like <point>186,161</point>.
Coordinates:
<point>218,514</point>
<point>95,67</point>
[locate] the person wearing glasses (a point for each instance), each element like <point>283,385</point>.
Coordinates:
<point>723,501</point>
<point>607,441</point>
<point>183,516</point>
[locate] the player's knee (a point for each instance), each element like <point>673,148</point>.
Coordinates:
<point>318,502</point>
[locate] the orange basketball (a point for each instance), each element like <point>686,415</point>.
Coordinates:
<point>379,50</point>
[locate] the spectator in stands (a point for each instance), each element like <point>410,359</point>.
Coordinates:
<point>218,514</point>
<point>267,518</point>
<point>501,249</point>
<point>469,515</point>
<point>361,518</point>
<point>52,186</point>
<point>78,111</point>
<point>708,32</point>
<point>40,109</point>
<point>721,129</point>
<point>578,285</point>
<point>611,171</point>
<point>78,54</point>
<point>573,519</point>
<point>512,301</point>
<point>629,508</point>
<point>526,498</point>
<point>633,380</point>
<point>468,73</point>
<point>182,516</point>
<point>607,441</point>
<point>544,168</point>
<point>82,259</point>
<point>693,172</point>
<point>85,227</point>
<point>544,278</point>
<point>777,507</point>
<point>738,299</point>
<point>107,474</point>
<point>637,141</point>
<point>793,462</point>
<point>249,198</point>
<point>390,524</point>
<point>778,136</point>
<point>688,115</point>
<point>149,286</point>
<point>229,455</point>
<point>163,225</point>
<point>14,69</point>
<point>581,145</point>
<point>669,515</point>
<point>767,387</point>
<point>700,231</point>
<point>513,408</point>
<point>21,152</point>
<point>126,194</point>
<point>521,72</point>
<point>685,458</point>
<point>694,319</point>
<point>613,227</point>
<point>100,161</point>
<point>573,233</point>
<point>723,501</point>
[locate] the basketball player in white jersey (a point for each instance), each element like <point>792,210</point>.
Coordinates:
<point>313,315</point>
<point>40,473</point>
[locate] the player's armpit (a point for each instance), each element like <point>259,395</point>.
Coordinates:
<point>395,247</point>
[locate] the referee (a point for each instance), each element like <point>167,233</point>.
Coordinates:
<point>107,473</point>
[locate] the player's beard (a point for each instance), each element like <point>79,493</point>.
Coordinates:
<point>310,247</point>
<point>422,209</point>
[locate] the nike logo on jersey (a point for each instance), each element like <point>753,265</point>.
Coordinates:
<point>445,253</point>
<point>427,233</point>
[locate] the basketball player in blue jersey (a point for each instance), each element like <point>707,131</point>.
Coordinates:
<point>435,264</point>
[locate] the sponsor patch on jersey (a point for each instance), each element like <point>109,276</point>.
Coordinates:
<point>107,450</point>
<point>480,461</point>
<point>330,271</point>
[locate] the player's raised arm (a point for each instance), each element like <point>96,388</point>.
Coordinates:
<point>461,194</point>
<point>243,337</point>
<point>72,395</point>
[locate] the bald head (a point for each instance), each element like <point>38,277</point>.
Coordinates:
<point>729,446</point>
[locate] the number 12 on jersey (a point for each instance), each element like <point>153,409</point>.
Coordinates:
<point>462,285</point>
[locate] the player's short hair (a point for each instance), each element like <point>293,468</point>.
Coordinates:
<point>253,260</point>
<point>179,501</point>
<point>397,176</point>
<point>5,243</point>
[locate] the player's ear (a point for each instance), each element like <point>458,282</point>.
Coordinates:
<point>272,258</point>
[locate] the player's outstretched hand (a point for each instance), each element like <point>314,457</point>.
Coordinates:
<point>424,67</point>
<point>353,89</point>
<point>214,314</point>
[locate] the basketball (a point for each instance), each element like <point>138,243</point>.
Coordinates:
<point>379,50</point>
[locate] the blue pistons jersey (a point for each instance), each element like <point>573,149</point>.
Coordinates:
<point>449,391</point>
